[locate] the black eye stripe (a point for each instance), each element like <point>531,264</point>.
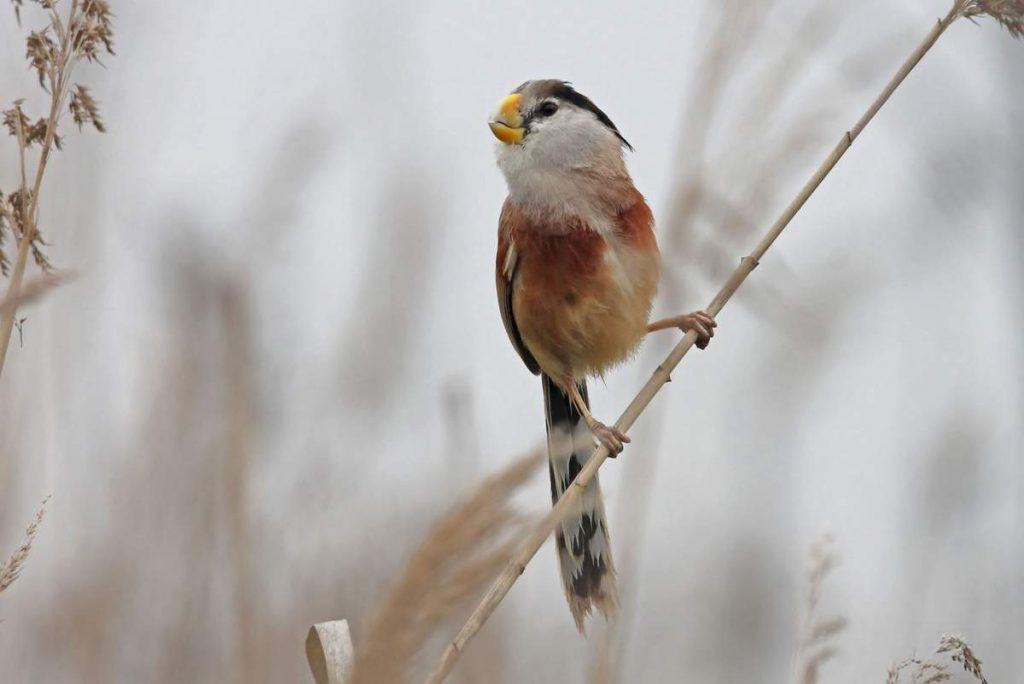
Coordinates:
<point>547,108</point>
<point>565,91</point>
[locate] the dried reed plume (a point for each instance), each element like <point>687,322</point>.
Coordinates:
<point>12,568</point>
<point>1008,14</point>
<point>930,671</point>
<point>818,633</point>
<point>460,553</point>
<point>53,52</point>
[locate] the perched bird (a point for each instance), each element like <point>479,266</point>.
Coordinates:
<point>576,272</point>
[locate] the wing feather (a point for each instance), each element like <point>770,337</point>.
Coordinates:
<point>505,279</point>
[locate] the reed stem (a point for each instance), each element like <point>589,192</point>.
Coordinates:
<point>661,375</point>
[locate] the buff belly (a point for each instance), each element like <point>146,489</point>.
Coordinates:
<point>580,316</point>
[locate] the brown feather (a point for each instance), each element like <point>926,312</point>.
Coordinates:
<point>575,301</point>
<point>504,276</point>
<point>575,314</point>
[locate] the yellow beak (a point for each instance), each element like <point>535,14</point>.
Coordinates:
<point>505,123</point>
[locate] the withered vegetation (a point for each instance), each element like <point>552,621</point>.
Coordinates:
<point>460,553</point>
<point>819,633</point>
<point>1008,13</point>
<point>10,570</point>
<point>933,670</point>
<point>74,31</point>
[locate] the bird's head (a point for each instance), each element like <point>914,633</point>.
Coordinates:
<point>548,125</point>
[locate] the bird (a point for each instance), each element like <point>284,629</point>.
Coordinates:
<point>577,270</point>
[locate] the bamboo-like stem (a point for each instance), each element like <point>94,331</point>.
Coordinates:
<point>59,81</point>
<point>661,375</point>
<point>329,652</point>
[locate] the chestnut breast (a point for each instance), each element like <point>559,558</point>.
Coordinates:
<point>582,292</point>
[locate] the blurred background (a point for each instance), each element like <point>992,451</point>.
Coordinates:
<point>281,356</point>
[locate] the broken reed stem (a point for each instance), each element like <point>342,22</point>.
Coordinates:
<point>661,375</point>
<point>59,81</point>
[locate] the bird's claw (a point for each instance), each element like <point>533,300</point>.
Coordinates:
<point>702,323</point>
<point>611,437</point>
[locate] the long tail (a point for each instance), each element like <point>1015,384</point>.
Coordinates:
<point>584,550</point>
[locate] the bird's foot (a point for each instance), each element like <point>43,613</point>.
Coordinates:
<point>610,437</point>
<point>700,322</point>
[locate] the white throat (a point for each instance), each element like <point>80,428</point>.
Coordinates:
<point>571,166</point>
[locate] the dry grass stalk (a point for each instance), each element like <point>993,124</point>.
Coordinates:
<point>661,375</point>
<point>53,52</point>
<point>461,552</point>
<point>818,633</point>
<point>921,671</point>
<point>234,308</point>
<point>12,568</point>
<point>709,191</point>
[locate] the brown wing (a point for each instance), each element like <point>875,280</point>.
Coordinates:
<point>504,277</point>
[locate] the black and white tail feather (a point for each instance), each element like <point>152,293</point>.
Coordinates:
<point>584,549</point>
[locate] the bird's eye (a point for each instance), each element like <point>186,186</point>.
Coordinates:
<point>547,108</point>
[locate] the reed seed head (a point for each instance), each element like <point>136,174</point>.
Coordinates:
<point>86,31</point>
<point>20,128</point>
<point>92,30</point>
<point>1009,13</point>
<point>14,565</point>
<point>930,671</point>
<point>960,651</point>
<point>465,549</point>
<point>42,53</point>
<point>85,109</point>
